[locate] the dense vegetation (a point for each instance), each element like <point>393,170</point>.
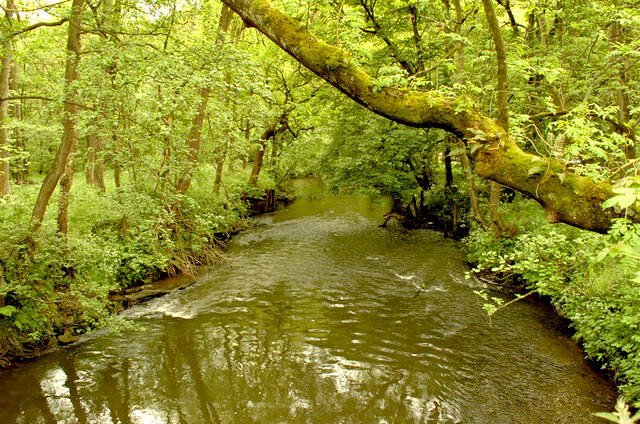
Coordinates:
<point>148,123</point>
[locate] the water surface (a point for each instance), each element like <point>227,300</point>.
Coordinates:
<point>316,321</point>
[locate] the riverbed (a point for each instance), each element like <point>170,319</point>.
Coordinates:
<point>316,319</point>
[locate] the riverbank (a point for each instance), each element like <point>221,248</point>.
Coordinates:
<point>120,247</point>
<point>598,293</point>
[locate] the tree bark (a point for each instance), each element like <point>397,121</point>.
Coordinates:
<point>542,25</point>
<point>91,161</point>
<point>98,170</point>
<point>417,41</point>
<point>193,143</point>
<point>257,163</point>
<point>21,165</point>
<point>247,140</point>
<point>503,108</point>
<point>512,19</point>
<point>65,189</point>
<point>5,73</point>
<point>616,35</point>
<point>564,196</point>
<point>117,165</point>
<point>70,135</point>
<point>476,213</point>
<point>381,33</point>
<point>95,162</point>
<point>448,169</point>
<point>219,168</point>
<point>272,131</point>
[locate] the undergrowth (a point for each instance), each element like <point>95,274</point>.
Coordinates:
<point>53,285</point>
<point>591,279</point>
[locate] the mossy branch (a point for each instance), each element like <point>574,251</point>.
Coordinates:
<point>565,197</point>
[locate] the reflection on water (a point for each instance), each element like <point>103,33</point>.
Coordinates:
<point>316,321</point>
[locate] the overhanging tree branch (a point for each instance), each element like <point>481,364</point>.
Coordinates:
<point>565,197</point>
<point>38,25</point>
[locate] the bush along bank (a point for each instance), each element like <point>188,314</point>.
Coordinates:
<point>55,287</point>
<point>591,279</point>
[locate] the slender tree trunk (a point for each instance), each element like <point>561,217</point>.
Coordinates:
<point>512,19</point>
<point>65,189</point>
<point>5,74</point>
<point>558,24</point>
<point>193,144</point>
<point>95,162</point>
<point>195,135</point>
<point>257,163</point>
<point>503,109</point>
<point>448,170</point>
<point>417,41</point>
<point>117,172</point>
<point>21,167</point>
<point>458,30</point>
<point>622,96</point>
<point>476,213</point>
<point>91,160</point>
<point>69,136</point>
<point>219,168</point>
<point>542,25</point>
<point>117,165</point>
<point>98,169</point>
<point>272,131</point>
<point>247,139</point>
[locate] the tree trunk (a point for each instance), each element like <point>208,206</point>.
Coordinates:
<point>69,136</point>
<point>257,163</point>
<point>271,132</point>
<point>565,197</point>
<point>503,109</point>
<point>448,170</point>
<point>193,143</point>
<point>476,214</point>
<point>458,30</point>
<point>21,165</point>
<point>542,25</point>
<point>91,161</point>
<point>417,41</point>
<point>616,35</point>
<point>247,139</point>
<point>117,166</point>
<point>95,162</point>
<point>5,73</point>
<point>512,19</point>
<point>219,168</point>
<point>117,172</point>
<point>65,189</point>
<point>98,170</point>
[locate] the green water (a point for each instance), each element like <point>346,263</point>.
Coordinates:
<point>316,320</point>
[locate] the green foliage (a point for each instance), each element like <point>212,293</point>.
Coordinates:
<point>622,415</point>
<point>591,279</point>
<point>123,238</point>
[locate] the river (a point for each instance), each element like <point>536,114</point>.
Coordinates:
<point>316,320</point>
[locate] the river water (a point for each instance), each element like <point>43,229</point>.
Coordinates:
<point>316,320</point>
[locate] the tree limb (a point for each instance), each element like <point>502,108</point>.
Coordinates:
<point>564,196</point>
<point>38,25</point>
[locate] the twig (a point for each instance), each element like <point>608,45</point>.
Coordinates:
<point>518,298</point>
